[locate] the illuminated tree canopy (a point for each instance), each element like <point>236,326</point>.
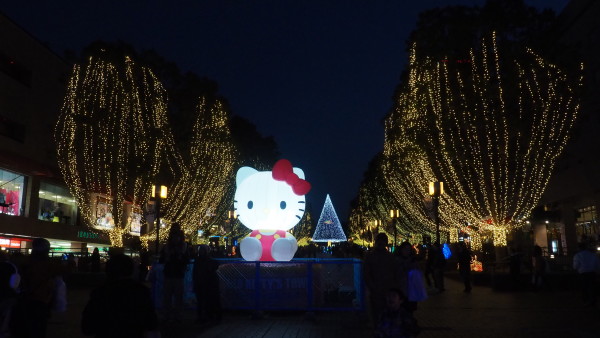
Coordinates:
<point>491,129</point>
<point>199,191</point>
<point>111,134</point>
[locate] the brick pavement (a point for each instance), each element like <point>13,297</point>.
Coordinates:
<point>483,313</point>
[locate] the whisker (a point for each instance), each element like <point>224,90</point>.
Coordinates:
<point>301,209</point>
<point>298,217</point>
<point>301,202</point>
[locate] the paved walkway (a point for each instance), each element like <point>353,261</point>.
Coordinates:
<point>483,313</point>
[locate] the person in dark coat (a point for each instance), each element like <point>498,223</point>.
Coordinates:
<point>206,287</point>
<point>122,307</point>
<point>96,260</point>
<point>438,264</point>
<point>538,264</point>
<point>381,273</point>
<point>175,260</point>
<point>39,276</point>
<point>464,265</point>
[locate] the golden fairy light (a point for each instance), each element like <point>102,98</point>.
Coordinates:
<point>490,129</point>
<point>199,192</point>
<point>111,135</point>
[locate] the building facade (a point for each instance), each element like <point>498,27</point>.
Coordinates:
<point>34,201</point>
<point>569,210</point>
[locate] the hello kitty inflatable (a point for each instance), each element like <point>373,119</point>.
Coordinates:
<point>270,203</point>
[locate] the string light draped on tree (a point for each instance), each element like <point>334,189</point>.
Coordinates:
<point>406,168</point>
<point>111,135</point>
<point>303,230</point>
<point>373,205</point>
<point>206,178</point>
<point>492,130</point>
<point>329,227</point>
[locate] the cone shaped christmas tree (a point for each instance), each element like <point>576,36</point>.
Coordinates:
<point>329,227</point>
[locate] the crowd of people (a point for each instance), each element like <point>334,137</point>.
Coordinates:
<point>396,282</point>
<point>32,287</point>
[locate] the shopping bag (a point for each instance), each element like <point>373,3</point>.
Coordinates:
<point>416,286</point>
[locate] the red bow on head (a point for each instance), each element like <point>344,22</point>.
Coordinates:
<point>283,171</point>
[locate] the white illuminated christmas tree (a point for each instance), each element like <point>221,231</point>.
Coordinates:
<point>329,227</point>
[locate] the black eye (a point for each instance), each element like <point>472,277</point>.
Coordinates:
<point>282,205</point>
<point>250,204</point>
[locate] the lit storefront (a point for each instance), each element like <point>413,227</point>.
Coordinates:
<point>12,186</point>
<point>102,205</point>
<point>56,204</point>
<point>14,243</point>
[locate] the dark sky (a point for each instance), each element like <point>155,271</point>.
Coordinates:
<point>317,75</point>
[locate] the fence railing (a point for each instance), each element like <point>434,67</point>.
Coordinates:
<point>301,284</point>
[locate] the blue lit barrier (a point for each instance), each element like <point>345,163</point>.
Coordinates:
<point>301,284</point>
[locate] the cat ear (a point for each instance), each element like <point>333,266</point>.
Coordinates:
<point>243,173</point>
<point>299,172</point>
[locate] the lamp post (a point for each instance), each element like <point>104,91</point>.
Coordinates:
<point>162,194</point>
<point>232,216</point>
<point>394,214</point>
<point>436,189</point>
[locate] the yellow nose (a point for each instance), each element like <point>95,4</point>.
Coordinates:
<point>266,211</point>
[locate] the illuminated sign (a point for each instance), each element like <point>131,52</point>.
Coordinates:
<point>269,203</point>
<point>87,234</point>
<point>12,242</point>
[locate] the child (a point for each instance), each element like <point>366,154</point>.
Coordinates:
<point>396,321</point>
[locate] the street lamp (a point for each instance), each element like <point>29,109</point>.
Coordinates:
<point>162,194</point>
<point>394,214</point>
<point>436,189</point>
<point>374,230</point>
<point>231,218</point>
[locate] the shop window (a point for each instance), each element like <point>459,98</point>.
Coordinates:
<point>56,204</point>
<point>12,186</point>
<point>134,219</point>
<point>587,223</point>
<point>103,211</point>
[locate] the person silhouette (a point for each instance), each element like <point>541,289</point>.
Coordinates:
<point>175,260</point>
<point>381,273</point>
<point>206,287</point>
<point>122,306</point>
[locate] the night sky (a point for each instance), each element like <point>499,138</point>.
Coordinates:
<point>316,75</point>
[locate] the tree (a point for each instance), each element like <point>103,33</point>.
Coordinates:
<point>329,227</point>
<point>305,228</point>
<point>201,146</point>
<point>370,210</point>
<point>111,134</point>
<point>205,179</point>
<point>492,132</point>
<point>448,66</point>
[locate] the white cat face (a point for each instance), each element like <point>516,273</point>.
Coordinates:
<point>266,204</point>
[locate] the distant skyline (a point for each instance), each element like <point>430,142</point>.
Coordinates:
<point>318,76</point>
